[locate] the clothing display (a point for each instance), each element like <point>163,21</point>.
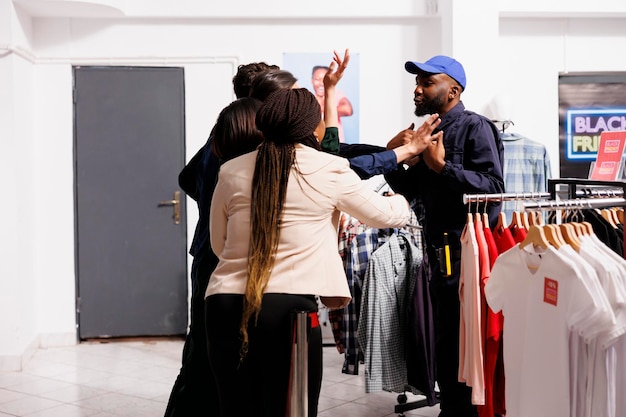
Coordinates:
<point>526,167</point>
<point>562,292</point>
<point>357,243</point>
<point>543,297</point>
<point>480,330</point>
<point>388,325</point>
<point>387,287</point>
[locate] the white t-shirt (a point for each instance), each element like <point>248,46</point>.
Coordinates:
<point>581,364</point>
<point>602,378</point>
<point>542,297</point>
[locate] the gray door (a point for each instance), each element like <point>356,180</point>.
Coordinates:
<point>130,217</point>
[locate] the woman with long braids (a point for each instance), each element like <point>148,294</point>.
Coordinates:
<point>274,219</point>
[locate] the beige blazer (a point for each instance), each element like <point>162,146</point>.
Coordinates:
<point>307,260</point>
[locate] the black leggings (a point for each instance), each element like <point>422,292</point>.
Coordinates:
<point>259,386</point>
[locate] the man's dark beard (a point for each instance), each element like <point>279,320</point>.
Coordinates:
<point>429,106</point>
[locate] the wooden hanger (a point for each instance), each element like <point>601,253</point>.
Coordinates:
<point>580,229</point>
<point>535,236</point>
<point>517,220</point>
<point>525,222</point>
<point>553,234</point>
<point>589,227</point>
<point>620,214</point>
<point>608,216</point>
<point>535,218</point>
<point>502,224</point>
<point>569,234</point>
<point>616,219</point>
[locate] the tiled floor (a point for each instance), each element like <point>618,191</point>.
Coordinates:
<point>134,378</point>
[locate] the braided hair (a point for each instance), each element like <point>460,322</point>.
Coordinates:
<point>286,117</point>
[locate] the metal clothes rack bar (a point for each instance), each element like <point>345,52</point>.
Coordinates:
<point>590,188</point>
<point>584,193</point>
<point>481,198</point>
<point>575,204</point>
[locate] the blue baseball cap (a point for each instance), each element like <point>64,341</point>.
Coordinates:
<point>439,64</point>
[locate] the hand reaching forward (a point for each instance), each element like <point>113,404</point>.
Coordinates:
<point>409,144</point>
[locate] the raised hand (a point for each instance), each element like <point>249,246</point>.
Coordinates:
<point>336,69</point>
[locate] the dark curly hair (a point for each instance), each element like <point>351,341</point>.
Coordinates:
<point>265,84</point>
<point>246,73</point>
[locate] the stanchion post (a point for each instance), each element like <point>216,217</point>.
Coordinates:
<point>299,404</point>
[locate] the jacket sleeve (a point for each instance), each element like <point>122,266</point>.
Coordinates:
<point>187,179</point>
<point>356,198</point>
<point>366,166</point>
<point>330,142</point>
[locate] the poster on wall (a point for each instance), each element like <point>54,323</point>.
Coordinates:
<point>309,69</point>
<point>589,104</point>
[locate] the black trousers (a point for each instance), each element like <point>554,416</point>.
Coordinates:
<point>194,392</point>
<point>455,396</point>
<point>259,385</point>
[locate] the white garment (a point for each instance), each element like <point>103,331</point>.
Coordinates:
<point>602,380</point>
<point>542,297</point>
<point>584,377</point>
<point>620,377</point>
<point>580,362</point>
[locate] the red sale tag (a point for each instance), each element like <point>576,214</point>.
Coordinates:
<point>550,291</point>
<point>610,154</point>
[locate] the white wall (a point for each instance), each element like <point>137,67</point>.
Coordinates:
<point>531,54</point>
<point>512,51</point>
<point>18,293</point>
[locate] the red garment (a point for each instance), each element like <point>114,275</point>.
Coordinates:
<point>504,240</point>
<point>518,233</point>
<point>494,381</point>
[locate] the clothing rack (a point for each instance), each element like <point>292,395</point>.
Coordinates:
<point>589,187</point>
<point>594,188</point>
<point>578,193</point>
<point>482,198</point>
<point>575,204</point>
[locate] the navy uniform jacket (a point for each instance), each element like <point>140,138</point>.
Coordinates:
<point>366,160</point>
<point>198,179</point>
<point>474,158</point>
